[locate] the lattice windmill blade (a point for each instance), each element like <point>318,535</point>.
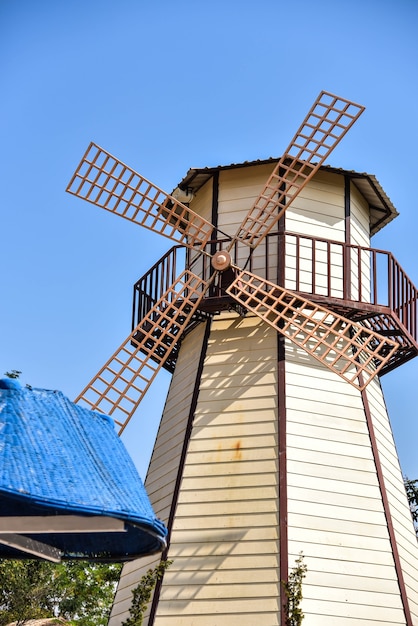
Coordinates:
<point>118,388</point>
<point>108,183</point>
<point>323,128</point>
<point>347,348</point>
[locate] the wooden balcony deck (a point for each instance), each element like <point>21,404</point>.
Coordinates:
<point>363,284</point>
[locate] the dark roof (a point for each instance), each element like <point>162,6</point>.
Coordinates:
<point>57,459</point>
<point>382,211</point>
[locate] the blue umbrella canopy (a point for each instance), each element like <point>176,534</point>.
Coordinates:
<point>68,487</point>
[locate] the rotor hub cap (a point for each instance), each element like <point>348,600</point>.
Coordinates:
<point>221,260</point>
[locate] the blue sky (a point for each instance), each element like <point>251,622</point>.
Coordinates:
<point>166,86</point>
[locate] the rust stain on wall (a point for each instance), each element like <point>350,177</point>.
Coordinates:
<point>238,453</point>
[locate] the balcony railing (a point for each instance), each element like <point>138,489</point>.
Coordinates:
<point>332,270</point>
<point>155,282</point>
<point>352,273</point>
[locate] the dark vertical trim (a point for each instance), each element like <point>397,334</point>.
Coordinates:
<point>214,220</point>
<point>282,428</point>
<point>179,477</point>
<point>347,208</point>
<point>386,507</point>
<point>215,199</point>
<point>283,522</point>
<point>281,245</point>
<point>347,238</point>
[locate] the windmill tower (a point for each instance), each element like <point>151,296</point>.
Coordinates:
<point>275,438</point>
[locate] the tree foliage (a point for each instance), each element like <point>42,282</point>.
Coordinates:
<point>23,586</point>
<point>411,487</point>
<point>77,591</point>
<point>293,591</point>
<point>13,374</point>
<point>142,593</point>
<point>80,592</point>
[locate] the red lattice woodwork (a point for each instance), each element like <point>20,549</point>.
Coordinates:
<point>118,388</point>
<point>323,128</point>
<point>108,183</point>
<point>347,348</point>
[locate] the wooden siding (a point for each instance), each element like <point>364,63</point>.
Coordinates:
<point>317,212</point>
<point>335,509</point>
<point>336,514</point>
<point>360,236</point>
<point>238,190</point>
<point>360,218</point>
<point>162,473</point>
<point>225,544</point>
<point>202,205</point>
<point>399,507</point>
<point>225,537</point>
<point>202,202</point>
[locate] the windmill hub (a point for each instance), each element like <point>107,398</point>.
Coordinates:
<point>221,260</point>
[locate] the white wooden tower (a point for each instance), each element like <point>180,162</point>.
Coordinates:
<point>275,438</point>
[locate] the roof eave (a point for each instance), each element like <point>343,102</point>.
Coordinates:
<point>382,210</point>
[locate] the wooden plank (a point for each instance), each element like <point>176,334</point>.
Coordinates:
<point>347,474</point>
<point>338,448</point>
<point>226,607</point>
<point>31,546</point>
<point>344,539</point>
<point>360,218</point>
<point>341,485</point>
<point>228,577</point>
<point>202,202</point>
<point>235,456</point>
<point>210,522</point>
<point>357,596</point>
<point>338,610</point>
<point>223,562</point>
<point>217,536</point>
<point>216,592</point>
<point>331,525</point>
<point>340,415</point>
<point>339,500</point>
<point>321,565</point>
<point>225,508</point>
<point>220,469</point>
<point>327,433</point>
<point>32,525</point>
<point>197,619</point>
<point>353,582</point>
<point>229,430</point>
<point>374,558</point>
<point>213,495</point>
<point>131,569</point>
<point>237,192</point>
<point>332,620</point>
<point>235,481</point>
<point>222,547</point>
<point>238,442</point>
<point>298,450</point>
<point>348,514</point>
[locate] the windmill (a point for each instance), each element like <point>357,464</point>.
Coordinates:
<point>240,332</point>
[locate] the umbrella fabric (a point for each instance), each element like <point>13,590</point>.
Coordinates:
<point>58,458</point>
